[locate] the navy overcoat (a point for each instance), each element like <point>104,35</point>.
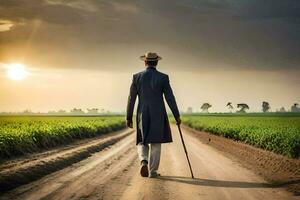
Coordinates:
<point>150,86</point>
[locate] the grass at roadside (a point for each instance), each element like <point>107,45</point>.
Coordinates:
<point>277,133</point>
<point>21,134</point>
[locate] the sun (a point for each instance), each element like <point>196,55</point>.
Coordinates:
<point>16,71</point>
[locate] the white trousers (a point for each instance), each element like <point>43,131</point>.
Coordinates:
<point>150,153</point>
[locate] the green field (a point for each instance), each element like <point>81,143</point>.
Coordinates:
<point>277,133</point>
<point>20,134</point>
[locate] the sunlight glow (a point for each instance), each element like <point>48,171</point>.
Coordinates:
<point>16,71</point>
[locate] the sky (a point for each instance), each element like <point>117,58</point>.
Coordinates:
<point>82,53</point>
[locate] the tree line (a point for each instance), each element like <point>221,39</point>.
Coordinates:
<point>243,107</point>
<point>74,111</point>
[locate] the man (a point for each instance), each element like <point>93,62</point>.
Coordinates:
<point>152,120</point>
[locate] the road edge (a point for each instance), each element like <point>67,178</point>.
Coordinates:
<point>276,169</point>
<point>10,180</point>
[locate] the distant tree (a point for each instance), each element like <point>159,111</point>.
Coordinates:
<point>93,111</point>
<point>102,111</point>
<point>77,111</point>
<point>243,107</point>
<point>27,111</point>
<point>61,112</point>
<point>205,107</point>
<point>189,110</point>
<point>265,106</point>
<point>282,109</point>
<point>295,108</point>
<point>230,107</point>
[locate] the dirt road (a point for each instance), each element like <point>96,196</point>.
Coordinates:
<point>113,173</point>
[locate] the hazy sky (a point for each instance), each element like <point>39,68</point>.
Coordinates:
<point>82,53</point>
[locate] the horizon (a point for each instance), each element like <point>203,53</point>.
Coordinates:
<point>189,110</point>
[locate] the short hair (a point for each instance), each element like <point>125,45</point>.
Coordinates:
<point>151,62</point>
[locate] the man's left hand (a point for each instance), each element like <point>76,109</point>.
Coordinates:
<point>178,121</point>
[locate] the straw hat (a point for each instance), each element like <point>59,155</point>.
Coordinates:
<point>150,56</point>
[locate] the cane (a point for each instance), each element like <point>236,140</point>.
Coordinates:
<point>186,153</point>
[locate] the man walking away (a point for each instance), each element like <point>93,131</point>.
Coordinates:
<point>153,126</point>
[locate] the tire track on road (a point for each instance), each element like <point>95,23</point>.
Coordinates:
<point>83,178</point>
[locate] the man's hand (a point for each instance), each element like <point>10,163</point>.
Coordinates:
<point>178,121</point>
<point>129,123</point>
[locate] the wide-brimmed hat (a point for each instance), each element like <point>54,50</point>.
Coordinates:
<point>150,56</point>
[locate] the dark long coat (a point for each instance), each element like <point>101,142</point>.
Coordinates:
<point>152,121</point>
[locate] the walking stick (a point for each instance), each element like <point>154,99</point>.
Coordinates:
<point>186,153</point>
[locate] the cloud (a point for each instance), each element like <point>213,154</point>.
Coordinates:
<point>196,34</point>
<point>86,5</point>
<point>5,25</point>
<point>58,13</point>
<point>256,9</point>
<point>125,7</point>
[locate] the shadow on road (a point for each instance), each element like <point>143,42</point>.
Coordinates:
<point>222,183</point>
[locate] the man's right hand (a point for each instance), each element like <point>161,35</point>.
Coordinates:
<point>129,123</point>
<point>178,121</point>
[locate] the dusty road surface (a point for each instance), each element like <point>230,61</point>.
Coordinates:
<point>113,173</point>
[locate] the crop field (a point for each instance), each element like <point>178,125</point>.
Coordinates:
<point>280,134</point>
<point>20,134</point>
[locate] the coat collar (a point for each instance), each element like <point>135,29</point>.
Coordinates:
<point>151,67</point>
